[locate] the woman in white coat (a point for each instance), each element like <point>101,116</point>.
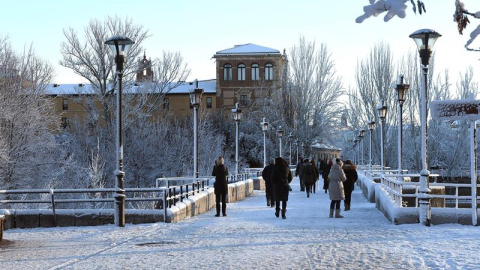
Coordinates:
<point>336,177</point>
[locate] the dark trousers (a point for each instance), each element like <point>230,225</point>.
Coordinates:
<point>308,188</point>
<point>284,205</point>
<point>335,204</point>
<point>348,195</point>
<point>221,197</point>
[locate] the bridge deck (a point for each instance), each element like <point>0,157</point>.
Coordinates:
<point>251,237</point>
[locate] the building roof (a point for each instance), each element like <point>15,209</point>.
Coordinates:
<point>247,49</point>
<point>320,145</point>
<point>208,86</point>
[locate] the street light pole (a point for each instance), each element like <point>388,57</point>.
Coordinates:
<point>290,139</point>
<point>237,116</point>
<point>382,114</point>
<point>297,144</point>
<point>371,126</point>
<point>119,45</point>
<point>264,125</point>
<point>401,95</point>
<point>425,39</point>
<point>361,136</point>
<point>280,135</point>
<point>195,101</point>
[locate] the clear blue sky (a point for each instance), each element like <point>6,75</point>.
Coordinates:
<point>198,29</point>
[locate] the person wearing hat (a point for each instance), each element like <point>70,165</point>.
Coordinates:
<point>336,178</point>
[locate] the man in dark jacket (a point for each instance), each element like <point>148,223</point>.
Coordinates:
<point>267,177</point>
<point>220,172</point>
<point>281,177</point>
<point>298,172</point>
<point>351,173</point>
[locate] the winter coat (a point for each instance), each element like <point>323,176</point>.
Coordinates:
<point>221,185</point>
<point>335,187</point>
<point>298,170</point>
<point>281,177</point>
<point>325,170</point>
<point>309,178</point>
<point>267,176</point>
<point>351,174</point>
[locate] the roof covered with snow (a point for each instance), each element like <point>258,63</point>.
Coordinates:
<point>208,86</point>
<point>247,49</point>
<point>320,145</point>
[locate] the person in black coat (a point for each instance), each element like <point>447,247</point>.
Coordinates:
<point>325,168</point>
<point>281,178</point>
<point>267,176</point>
<point>351,172</point>
<point>220,171</point>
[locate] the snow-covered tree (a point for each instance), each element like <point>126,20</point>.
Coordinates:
<point>29,154</point>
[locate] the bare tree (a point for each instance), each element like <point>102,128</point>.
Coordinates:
<point>29,154</point>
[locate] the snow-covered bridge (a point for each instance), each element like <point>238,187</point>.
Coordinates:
<point>251,237</point>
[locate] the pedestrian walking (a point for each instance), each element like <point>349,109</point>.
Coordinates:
<point>336,178</point>
<point>220,171</point>
<point>309,177</point>
<point>325,171</point>
<point>317,175</point>
<point>281,177</point>
<point>267,177</point>
<point>298,172</point>
<point>350,171</point>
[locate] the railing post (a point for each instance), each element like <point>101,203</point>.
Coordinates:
<point>53,208</point>
<point>165,205</point>
<point>181,193</point>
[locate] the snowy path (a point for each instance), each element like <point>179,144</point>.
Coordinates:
<point>251,237</point>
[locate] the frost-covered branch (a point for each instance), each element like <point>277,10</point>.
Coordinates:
<point>392,7</point>
<point>461,17</point>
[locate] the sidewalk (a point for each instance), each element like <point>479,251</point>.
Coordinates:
<point>251,237</point>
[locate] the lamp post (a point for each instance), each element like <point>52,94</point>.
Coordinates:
<point>297,143</point>
<point>237,116</point>
<point>264,125</point>
<point>361,136</point>
<point>355,150</point>
<point>382,114</point>
<point>401,96</point>
<point>280,135</point>
<point>371,126</point>
<point>290,139</point>
<point>119,45</point>
<point>195,100</point>
<point>425,39</point>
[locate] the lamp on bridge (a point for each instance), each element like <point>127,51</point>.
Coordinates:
<point>297,144</point>
<point>280,135</point>
<point>425,39</point>
<point>119,46</point>
<point>237,116</point>
<point>290,139</point>
<point>402,90</point>
<point>371,126</point>
<point>382,114</point>
<point>264,125</point>
<point>195,101</point>
<point>360,137</point>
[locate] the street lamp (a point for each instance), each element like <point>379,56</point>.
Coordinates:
<point>382,114</point>
<point>237,116</point>
<point>297,144</point>
<point>195,100</point>
<point>264,125</point>
<point>280,135</point>
<point>356,149</point>
<point>401,96</point>
<point>119,45</point>
<point>290,139</point>
<point>361,136</point>
<point>425,39</point>
<point>371,126</point>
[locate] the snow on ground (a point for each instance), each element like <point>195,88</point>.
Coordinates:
<point>251,237</point>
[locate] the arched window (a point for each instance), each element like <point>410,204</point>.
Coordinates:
<point>227,72</point>
<point>255,72</point>
<point>241,72</point>
<point>268,72</point>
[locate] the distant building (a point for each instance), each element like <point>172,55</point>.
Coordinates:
<point>324,151</point>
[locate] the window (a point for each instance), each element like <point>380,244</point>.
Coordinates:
<point>64,123</point>
<point>227,72</point>
<point>209,102</point>
<point>241,72</point>
<point>166,103</point>
<point>243,100</point>
<point>268,72</point>
<point>65,104</point>
<point>255,72</point>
